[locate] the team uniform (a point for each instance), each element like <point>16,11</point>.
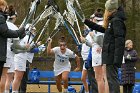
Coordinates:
<point>96,57</point>
<point>62,62</point>
<point>85,50</point>
<point>10,55</point>
<point>30,56</point>
<point>21,58</point>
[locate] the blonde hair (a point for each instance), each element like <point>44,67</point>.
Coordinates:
<point>3,3</point>
<point>128,42</point>
<point>107,14</point>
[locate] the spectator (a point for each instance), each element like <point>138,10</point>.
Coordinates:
<point>128,67</point>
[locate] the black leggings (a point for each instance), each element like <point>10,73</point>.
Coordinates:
<point>127,88</point>
<point>112,77</point>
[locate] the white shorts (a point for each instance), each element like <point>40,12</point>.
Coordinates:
<point>58,69</point>
<point>20,63</point>
<point>96,57</point>
<point>12,68</point>
<point>8,62</point>
<point>10,57</point>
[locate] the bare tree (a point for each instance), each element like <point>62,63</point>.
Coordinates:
<point>133,19</point>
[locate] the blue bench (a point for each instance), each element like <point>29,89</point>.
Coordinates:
<point>137,84</point>
<point>49,76</point>
<point>137,75</point>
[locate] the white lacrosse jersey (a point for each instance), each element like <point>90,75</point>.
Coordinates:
<point>96,34</point>
<point>62,62</point>
<point>85,48</point>
<point>11,26</point>
<point>10,54</point>
<point>26,55</point>
<point>96,57</point>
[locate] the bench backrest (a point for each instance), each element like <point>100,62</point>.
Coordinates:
<point>50,74</point>
<point>46,74</point>
<point>137,75</point>
<point>74,74</point>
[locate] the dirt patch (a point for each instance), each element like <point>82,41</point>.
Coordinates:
<point>44,88</point>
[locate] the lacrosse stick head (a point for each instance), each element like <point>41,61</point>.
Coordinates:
<point>38,1</point>
<point>59,20</point>
<point>71,1</point>
<point>29,28</point>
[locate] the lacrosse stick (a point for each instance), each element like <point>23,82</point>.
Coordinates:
<point>32,10</point>
<point>71,12</point>
<point>62,21</point>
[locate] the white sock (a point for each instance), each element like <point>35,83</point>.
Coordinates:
<point>86,92</point>
<point>6,91</point>
<point>14,91</point>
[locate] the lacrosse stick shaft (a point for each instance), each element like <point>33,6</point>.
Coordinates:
<point>46,24</point>
<point>73,30</point>
<point>75,34</point>
<point>78,26</point>
<point>80,17</point>
<point>78,4</point>
<point>55,33</point>
<point>34,14</point>
<point>52,36</point>
<point>70,32</point>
